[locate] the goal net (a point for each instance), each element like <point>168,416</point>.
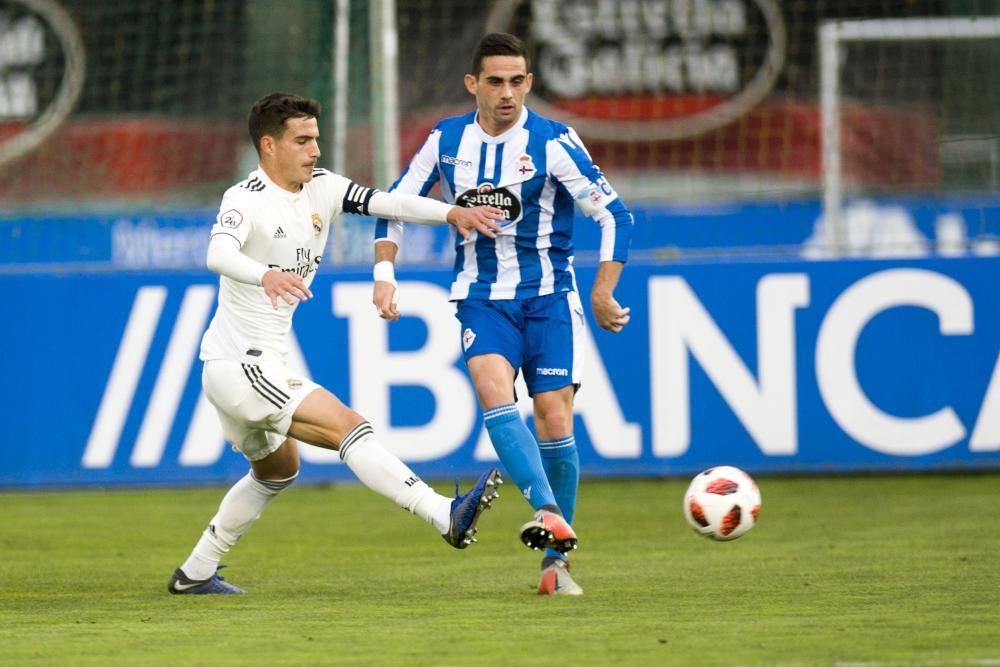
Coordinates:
<point>111,106</point>
<point>909,110</point>
<point>106,103</point>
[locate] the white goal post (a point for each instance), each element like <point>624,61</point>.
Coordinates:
<point>384,91</point>
<point>832,35</point>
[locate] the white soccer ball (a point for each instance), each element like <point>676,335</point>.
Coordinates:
<point>722,503</point>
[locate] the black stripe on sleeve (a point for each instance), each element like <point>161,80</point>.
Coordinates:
<point>357,198</point>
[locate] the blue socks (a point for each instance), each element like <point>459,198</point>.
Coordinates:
<point>547,473</point>
<point>518,451</point>
<point>562,467</point>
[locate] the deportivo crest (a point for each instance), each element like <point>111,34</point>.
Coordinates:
<point>525,165</point>
<point>468,337</point>
<point>486,195</point>
<point>317,224</point>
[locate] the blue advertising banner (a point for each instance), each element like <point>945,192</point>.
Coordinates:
<point>178,240</point>
<point>774,367</point>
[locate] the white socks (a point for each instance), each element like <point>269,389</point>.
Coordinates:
<point>382,472</point>
<point>238,510</point>
<point>375,466</point>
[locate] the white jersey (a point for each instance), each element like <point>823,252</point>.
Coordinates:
<point>286,231</point>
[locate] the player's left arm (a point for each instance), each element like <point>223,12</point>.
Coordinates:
<point>364,200</point>
<point>571,165</point>
<point>608,312</point>
<point>427,211</point>
<point>616,233</point>
<point>351,197</point>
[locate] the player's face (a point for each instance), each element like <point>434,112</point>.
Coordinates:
<point>500,90</point>
<point>290,158</point>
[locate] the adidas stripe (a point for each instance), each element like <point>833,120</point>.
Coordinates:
<point>253,185</point>
<point>265,387</point>
<point>357,198</point>
<point>362,430</point>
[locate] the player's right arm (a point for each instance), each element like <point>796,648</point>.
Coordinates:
<point>225,256</point>
<point>479,219</point>
<point>418,179</point>
<point>384,294</point>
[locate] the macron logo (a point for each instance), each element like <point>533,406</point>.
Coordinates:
<point>552,371</point>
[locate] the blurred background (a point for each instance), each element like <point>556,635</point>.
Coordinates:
<point>750,138</point>
<point>705,114</point>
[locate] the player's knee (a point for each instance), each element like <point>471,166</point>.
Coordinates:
<point>558,426</point>
<point>282,466</point>
<point>350,419</point>
<point>279,484</point>
<point>493,393</point>
<point>553,419</point>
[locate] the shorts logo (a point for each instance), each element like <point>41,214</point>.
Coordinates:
<point>552,371</point>
<point>231,219</point>
<point>294,383</point>
<point>468,337</point>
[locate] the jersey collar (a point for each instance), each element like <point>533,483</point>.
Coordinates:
<point>275,189</point>
<point>501,138</point>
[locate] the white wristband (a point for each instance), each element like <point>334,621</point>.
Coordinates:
<point>385,271</point>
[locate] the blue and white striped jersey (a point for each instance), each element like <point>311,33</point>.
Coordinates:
<point>535,171</point>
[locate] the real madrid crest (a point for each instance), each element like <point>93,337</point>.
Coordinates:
<point>317,224</point>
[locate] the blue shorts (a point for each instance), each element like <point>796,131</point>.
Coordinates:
<point>541,336</point>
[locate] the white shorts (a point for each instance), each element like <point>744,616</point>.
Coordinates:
<point>255,402</point>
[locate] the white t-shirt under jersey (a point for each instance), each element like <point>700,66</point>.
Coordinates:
<point>286,231</point>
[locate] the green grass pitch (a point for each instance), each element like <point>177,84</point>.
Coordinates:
<point>861,571</point>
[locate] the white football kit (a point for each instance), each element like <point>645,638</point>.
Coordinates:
<point>261,227</point>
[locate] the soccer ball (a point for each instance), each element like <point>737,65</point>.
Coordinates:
<point>722,503</point>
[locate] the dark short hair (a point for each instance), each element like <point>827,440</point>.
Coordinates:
<point>269,114</point>
<point>498,44</point>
